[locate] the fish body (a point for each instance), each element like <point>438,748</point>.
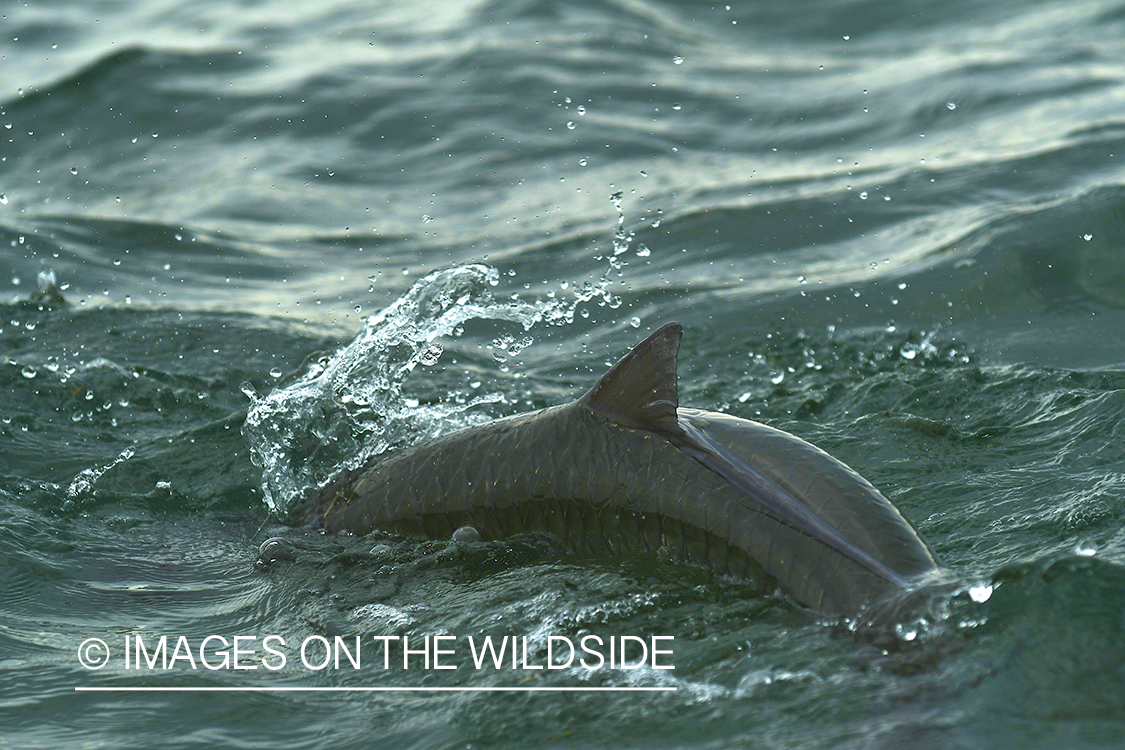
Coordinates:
<point>624,469</point>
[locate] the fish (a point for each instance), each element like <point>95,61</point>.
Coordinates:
<point>626,470</point>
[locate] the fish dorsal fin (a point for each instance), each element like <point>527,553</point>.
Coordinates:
<point>640,390</point>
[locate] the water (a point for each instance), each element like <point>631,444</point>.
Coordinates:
<point>894,230</point>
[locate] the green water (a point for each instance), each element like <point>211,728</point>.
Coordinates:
<point>894,231</point>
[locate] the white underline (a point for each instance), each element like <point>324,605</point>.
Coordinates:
<point>289,689</point>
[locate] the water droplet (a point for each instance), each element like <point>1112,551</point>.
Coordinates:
<point>678,60</point>
<point>275,373</point>
<point>516,347</point>
<point>635,322</point>
<point>951,106</point>
<point>46,280</point>
<point>74,170</point>
<point>802,280</point>
<point>1087,237</point>
<point>643,252</point>
<point>431,355</point>
<point>582,162</point>
<point>3,200</point>
<point>570,124</point>
<point>863,195</point>
<point>426,218</point>
<point>28,371</point>
<point>980,593</point>
<point>581,110</point>
<point>1086,548</point>
<point>778,377</point>
<point>906,632</point>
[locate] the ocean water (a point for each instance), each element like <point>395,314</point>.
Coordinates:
<point>243,243</point>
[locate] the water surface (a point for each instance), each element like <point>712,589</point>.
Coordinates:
<point>893,230</point>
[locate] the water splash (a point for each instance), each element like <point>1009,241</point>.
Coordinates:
<point>348,405</point>
<point>83,485</point>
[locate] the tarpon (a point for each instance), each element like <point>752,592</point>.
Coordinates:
<point>625,470</point>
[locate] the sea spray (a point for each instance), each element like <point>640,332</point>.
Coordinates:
<point>348,405</point>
